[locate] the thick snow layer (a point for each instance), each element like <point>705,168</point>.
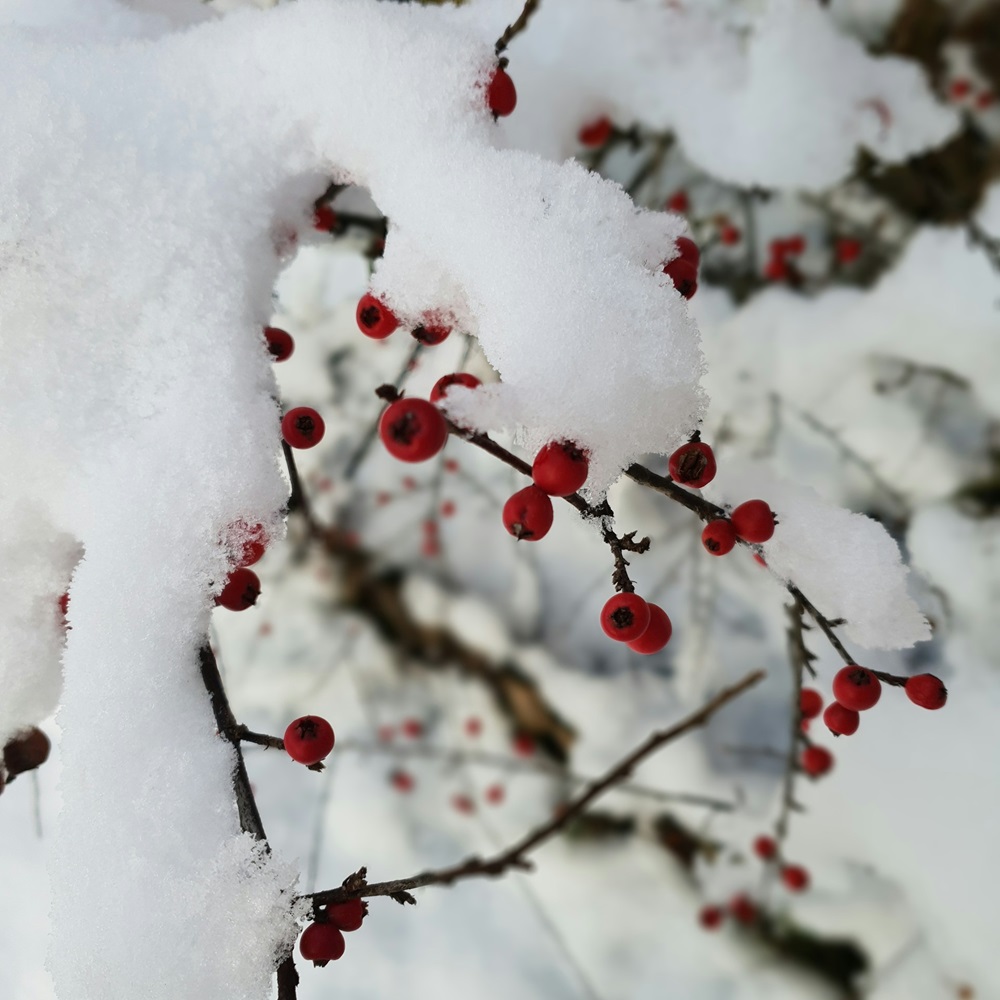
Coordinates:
<point>779,98</point>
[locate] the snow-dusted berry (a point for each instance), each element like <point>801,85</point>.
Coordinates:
<point>692,465</point>
<point>684,275</point>
<point>810,703</point>
<point>413,430</point>
<point>302,427</point>
<point>927,691</point>
<point>241,590</point>
<point>324,219</point>
<point>596,133</point>
<point>816,761</point>
<point>251,541</point>
<point>321,943</point>
<point>375,319</point>
<point>528,514</point>
<point>753,521</point>
<point>279,343</point>
<point>625,617</point>
<point>443,384</point>
<point>347,916</point>
<point>656,635</point>
<point>309,739</point>
<point>856,688</point>
<point>560,468</point>
<point>430,334</point>
<point>840,720</point>
<point>718,537</point>
<point>795,877</point>
<point>765,848</point>
<point>501,94</point>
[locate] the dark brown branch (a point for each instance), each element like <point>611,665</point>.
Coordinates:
<point>297,500</point>
<point>826,626</point>
<point>512,30</point>
<point>516,856</point>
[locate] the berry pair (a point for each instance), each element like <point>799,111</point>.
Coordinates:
<point>645,628</point>
<point>752,521</point>
<point>323,940</point>
<point>378,321</point>
<point>795,877</point>
<point>559,470</point>
<point>778,267</point>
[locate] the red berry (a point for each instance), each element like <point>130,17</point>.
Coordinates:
<point>241,590</point>
<point>795,877</point>
<point>927,691</point>
<point>810,703</point>
<point>413,728</point>
<point>346,916</point>
<point>279,343</point>
<point>753,521</point>
<point>524,744</point>
<point>684,275</point>
<point>841,721</point>
<point>302,427</point>
<point>656,635</point>
<point>596,133</point>
<point>321,943</point>
<point>718,537</point>
<point>324,219</point>
<point>776,270</point>
<point>678,202</point>
<point>985,99</point>
<point>463,804</point>
<point>386,734</point>
<point>473,726</point>
<point>710,917</point>
<point>448,508</point>
<point>443,384</point>
<point>729,235</point>
<point>688,250</point>
<point>765,848</point>
<point>693,464</point>
<point>375,319</point>
<point>743,909</point>
<point>495,794</point>
<point>625,617</point>
<point>27,750</point>
<point>309,739</point>
<point>560,468</point>
<point>856,688</point>
<point>959,88</point>
<point>528,514</point>
<point>816,761</point>
<point>847,250</point>
<point>501,95</point>
<point>793,245</point>
<point>430,334</point>
<point>251,540</point>
<point>450,465</point>
<point>402,781</point>
<point>413,430</point>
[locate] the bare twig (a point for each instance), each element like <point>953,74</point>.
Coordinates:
<point>513,30</point>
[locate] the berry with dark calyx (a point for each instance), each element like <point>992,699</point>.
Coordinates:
<point>241,590</point>
<point>816,761</point>
<point>346,916</point>
<point>856,688</point>
<point>501,94</point>
<point>841,721</point>
<point>810,703</point>
<point>846,249</point>
<point>718,537</point>
<point>375,319</point>
<point>710,917</point>
<point>302,427</point>
<point>678,202</point>
<point>596,133</point>
<point>656,635</point>
<point>443,384</point>
<point>413,430</point>
<point>560,468</point>
<point>321,943</point>
<point>743,909</point>
<point>528,514</point>
<point>309,739</point>
<point>684,275</point>
<point>753,521</point>
<point>688,250</point>
<point>927,691</point>
<point>625,617</point>
<point>279,343</point>
<point>795,877</point>
<point>26,751</point>
<point>324,219</point>
<point>765,848</point>
<point>692,465</point>
<point>430,334</point>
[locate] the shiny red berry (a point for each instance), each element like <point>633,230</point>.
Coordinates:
<point>765,848</point>
<point>443,384</point>
<point>309,739</point>
<point>927,691</point>
<point>841,721</point>
<point>816,761</point>
<point>656,635</point>
<point>302,427</point>
<point>795,877</point>
<point>856,688</point>
<point>596,133</point>
<point>375,319</point>
<point>684,275</point>
<point>692,465</point>
<point>241,590</point>
<point>279,343</point>
<point>528,514</point>
<point>718,537</point>
<point>625,617</point>
<point>346,916</point>
<point>560,468</point>
<point>413,430</point>
<point>810,703</point>
<point>710,917</point>
<point>321,943</point>
<point>688,250</point>
<point>501,95</point>
<point>753,521</point>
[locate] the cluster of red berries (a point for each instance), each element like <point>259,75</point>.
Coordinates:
<point>645,628</point>
<point>323,940</point>
<point>778,267</point>
<point>961,91</point>
<point>560,468</point>
<point>683,269</point>
<point>242,587</point>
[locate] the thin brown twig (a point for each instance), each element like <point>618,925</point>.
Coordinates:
<point>513,30</point>
<point>516,855</point>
